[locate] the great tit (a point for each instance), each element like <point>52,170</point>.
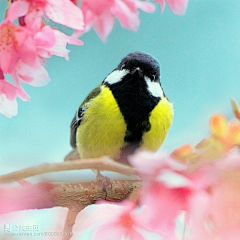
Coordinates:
<point>128,110</point>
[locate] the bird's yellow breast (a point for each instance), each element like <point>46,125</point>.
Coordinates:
<point>103,127</point>
<point>160,119</point>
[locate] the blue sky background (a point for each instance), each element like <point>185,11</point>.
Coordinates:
<point>200,71</point>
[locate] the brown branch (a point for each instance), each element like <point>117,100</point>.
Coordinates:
<point>70,195</point>
<point>101,164</point>
<point>73,195</point>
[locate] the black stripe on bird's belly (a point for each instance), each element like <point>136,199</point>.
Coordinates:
<point>136,104</point>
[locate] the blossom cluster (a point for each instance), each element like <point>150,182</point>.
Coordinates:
<point>196,187</point>
<point>100,14</point>
<point>25,46</point>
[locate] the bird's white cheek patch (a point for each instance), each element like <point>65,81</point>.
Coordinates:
<point>154,88</point>
<point>115,76</point>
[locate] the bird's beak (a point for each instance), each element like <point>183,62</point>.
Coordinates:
<point>137,71</point>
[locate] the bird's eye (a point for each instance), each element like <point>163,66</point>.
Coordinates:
<point>152,77</point>
<point>122,67</point>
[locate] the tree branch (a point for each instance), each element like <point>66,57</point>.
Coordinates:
<point>66,194</point>
<point>70,195</point>
<point>69,223</point>
<point>101,164</point>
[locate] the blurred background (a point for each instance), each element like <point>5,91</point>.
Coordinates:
<point>200,71</point>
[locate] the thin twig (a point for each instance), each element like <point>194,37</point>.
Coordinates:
<point>101,164</point>
<point>69,223</point>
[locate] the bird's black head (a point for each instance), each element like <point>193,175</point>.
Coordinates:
<point>142,62</point>
<point>137,73</point>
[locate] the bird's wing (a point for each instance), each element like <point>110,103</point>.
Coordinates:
<point>78,117</point>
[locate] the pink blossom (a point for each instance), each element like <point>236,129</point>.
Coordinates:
<point>59,47</point>
<point>118,221</point>
<point>35,75</point>
<point>148,164</point>
<point>177,6</point>
<point>8,94</point>
<point>61,11</point>
<point>100,14</point>
<point>7,107</point>
<point>18,54</point>
<point>22,51</point>
<point>215,212</point>
<point>23,48</point>
<point>9,47</point>
<point>225,198</point>
<point>198,215</point>
<point>225,208</point>
<point>165,191</point>
<point>168,190</point>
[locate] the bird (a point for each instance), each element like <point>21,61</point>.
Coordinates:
<point>127,111</point>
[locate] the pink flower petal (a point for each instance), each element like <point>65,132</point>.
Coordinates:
<point>111,220</point>
<point>172,179</point>
<point>230,161</point>
<point>127,17</point>
<point>66,13</point>
<point>149,164</point>
<point>162,206</point>
<point>104,25</point>
<point>8,94</point>
<point>111,229</point>
<point>96,215</point>
<point>8,52</point>
<point>27,50</point>
<point>89,16</point>
<point>33,19</point>
<point>116,231</point>
<point>162,4</point>
<point>21,93</point>
<point>17,9</point>
<point>8,60</point>
<point>199,216</point>
<point>73,40</point>
<point>135,235</point>
<point>59,47</point>
<point>45,38</point>
<point>145,6</point>
<point>9,108</point>
<point>225,205</point>
<point>35,75</point>
<point>53,42</point>
<point>178,6</point>
<point>8,89</point>
<point>98,7</point>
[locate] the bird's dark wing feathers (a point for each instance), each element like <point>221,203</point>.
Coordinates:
<point>78,117</point>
